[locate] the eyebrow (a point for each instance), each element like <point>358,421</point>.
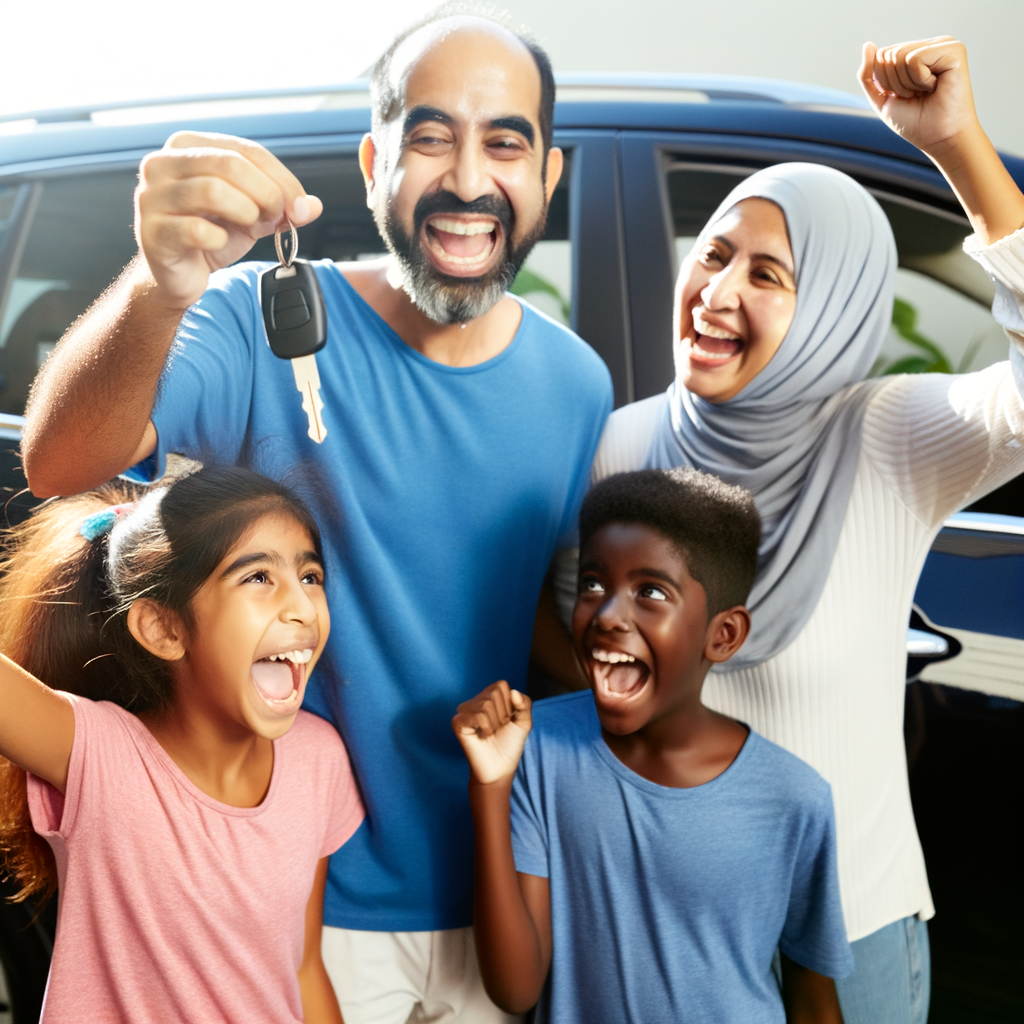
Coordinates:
<point>510,122</point>
<point>640,573</point>
<point>757,255</point>
<point>515,123</point>
<point>303,558</point>
<point>420,114</point>
<point>656,573</point>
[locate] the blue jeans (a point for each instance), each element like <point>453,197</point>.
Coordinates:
<point>892,976</point>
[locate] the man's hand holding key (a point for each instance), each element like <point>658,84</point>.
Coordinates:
<point>203,201</point>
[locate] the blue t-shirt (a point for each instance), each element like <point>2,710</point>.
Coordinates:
<point>442,494</point>
<point>667,904</point>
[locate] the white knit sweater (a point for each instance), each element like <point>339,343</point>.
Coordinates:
<point>931,445</point>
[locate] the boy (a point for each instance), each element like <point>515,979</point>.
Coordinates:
<point>658,853</point>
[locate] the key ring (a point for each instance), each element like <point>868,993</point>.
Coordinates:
<point>293,248</point>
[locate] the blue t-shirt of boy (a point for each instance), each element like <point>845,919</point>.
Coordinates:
<point>442,493</point>
<point>667,905</point>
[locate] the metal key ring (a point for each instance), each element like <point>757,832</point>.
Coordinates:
<point>280,249</point>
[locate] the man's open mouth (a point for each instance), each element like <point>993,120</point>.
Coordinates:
<point>712,345</point>
<point>280,678</point>
<point>616,675</point>
<point>462,247</point>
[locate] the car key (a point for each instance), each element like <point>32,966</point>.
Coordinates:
<point>295,322</point>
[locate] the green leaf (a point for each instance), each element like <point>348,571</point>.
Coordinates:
<point>904,322</point>
<point>904,316</point>
<point>909,364</point>
<point>527,281</point>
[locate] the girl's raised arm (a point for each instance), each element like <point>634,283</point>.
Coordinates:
<point>37,725</point>
<point>922,90</point>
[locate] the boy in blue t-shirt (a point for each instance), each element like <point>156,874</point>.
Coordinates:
<point>650,856</point>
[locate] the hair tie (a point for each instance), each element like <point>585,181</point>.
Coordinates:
<point>99,523</point>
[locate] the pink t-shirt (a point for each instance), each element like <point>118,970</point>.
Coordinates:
<point>174,906</point>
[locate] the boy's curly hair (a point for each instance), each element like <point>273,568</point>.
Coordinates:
<point>715,526</point>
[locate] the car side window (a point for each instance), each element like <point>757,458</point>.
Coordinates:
<point>63,239</point>
<point>74,242</point>
<point>941,321</point>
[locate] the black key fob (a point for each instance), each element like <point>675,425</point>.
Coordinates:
<point>294,316</point>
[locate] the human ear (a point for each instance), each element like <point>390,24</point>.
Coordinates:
<point>725,634</point>
<point>367,156</point>
<point>157,629</point>
<point>553,173</point>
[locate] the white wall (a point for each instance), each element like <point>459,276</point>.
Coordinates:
<point>64,52</point>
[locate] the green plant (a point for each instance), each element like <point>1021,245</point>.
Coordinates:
<point>527,281</point>
<point>931,360</point>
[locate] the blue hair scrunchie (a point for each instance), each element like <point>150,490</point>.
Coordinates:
<point>101,523</point>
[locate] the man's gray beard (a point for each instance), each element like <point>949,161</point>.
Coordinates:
<point>452,300</point>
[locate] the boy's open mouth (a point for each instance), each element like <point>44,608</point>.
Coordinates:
<point>462,248</point>
<point>279,678</point>
<point>712,346</point>
<point>616,675</point>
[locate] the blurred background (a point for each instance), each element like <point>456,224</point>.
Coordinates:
<point>59,53</point>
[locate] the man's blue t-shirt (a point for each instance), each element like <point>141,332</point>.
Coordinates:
<point>442,494</point>
<point>667,905</point>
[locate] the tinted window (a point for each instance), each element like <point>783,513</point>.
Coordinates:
<point>78,237</point>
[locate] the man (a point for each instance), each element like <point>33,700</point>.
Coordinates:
<point>460,424</point>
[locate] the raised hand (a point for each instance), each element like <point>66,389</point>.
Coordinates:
<point>492,728</point>
<point>203,201</point>
<point>921,89</point>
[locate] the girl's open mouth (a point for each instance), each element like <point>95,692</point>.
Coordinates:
<point>616,675</point>
<point>461,248</point>
<point>280,679</point>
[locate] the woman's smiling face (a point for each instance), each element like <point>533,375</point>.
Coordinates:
<point>735,300</point>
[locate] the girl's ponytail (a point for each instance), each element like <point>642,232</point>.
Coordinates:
<point>54,602</point>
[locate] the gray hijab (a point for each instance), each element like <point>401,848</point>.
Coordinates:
<point>792,435</point>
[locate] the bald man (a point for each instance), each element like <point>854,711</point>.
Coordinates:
<point>461,428</point>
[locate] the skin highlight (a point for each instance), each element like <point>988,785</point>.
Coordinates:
<point>735,301</point>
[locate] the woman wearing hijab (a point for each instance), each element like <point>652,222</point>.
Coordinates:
<point>781,309</point>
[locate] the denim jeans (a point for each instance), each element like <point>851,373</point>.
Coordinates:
<point>892,975</point>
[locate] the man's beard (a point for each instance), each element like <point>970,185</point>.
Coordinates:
<point>441,297</point>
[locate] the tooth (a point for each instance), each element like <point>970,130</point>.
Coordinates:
<point>457,227</point>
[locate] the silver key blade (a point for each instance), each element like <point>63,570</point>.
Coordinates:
<point>307,380</point>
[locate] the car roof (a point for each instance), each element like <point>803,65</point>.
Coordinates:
<point>309,117</point>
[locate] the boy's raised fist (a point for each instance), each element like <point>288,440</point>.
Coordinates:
<point>492,728</point>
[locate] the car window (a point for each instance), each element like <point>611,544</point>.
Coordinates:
<point>942,319</point>
<point>80,237</point>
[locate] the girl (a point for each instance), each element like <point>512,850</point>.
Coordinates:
<point>188,806</point>
<point>781,309</point>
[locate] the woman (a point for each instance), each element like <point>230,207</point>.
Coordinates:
<point>781,309</point>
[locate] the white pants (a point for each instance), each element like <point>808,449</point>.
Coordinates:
<point>408,978</point>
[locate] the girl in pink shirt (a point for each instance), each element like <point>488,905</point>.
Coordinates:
<point>175,790</point>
